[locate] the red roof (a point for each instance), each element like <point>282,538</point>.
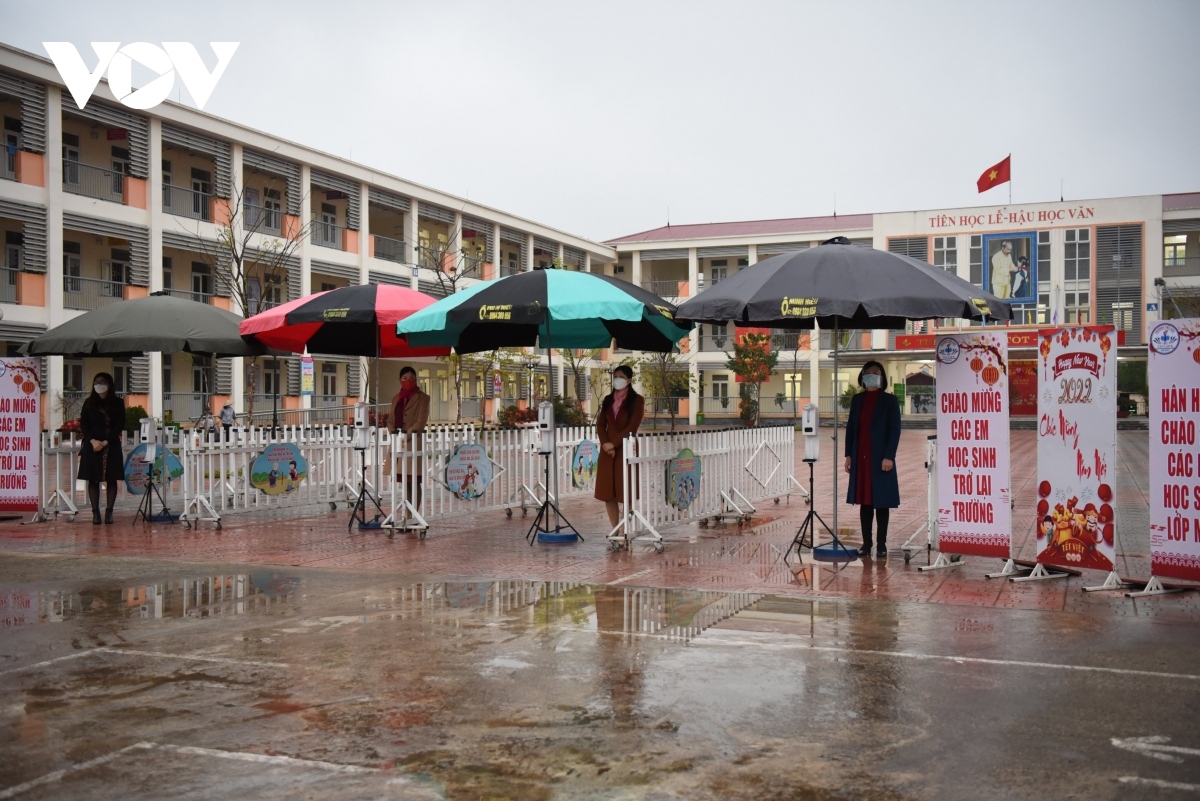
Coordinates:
<point>791,225</point>
<point>1184,200</point>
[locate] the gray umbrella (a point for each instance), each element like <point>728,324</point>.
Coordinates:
<point>158,322</point>
<point>839,285</point>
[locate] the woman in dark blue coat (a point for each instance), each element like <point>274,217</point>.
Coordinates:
<point>872,437</point>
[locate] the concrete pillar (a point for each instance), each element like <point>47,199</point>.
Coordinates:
<point>306,214</point>
<point>456,242</point>
<point>694,389</point>
<point>364,234</point>
<point>814,366</point>
<point>412,242</point>
<point>54,249</point>
<point>497,252</point>
<point>587,262</point>
<point>636,268</point>
<point>752,255</point>
<point>693,338</point>
<point>156,231</point>
<point>562,254</point>
<point>237,384</point>
<point>528,265</point>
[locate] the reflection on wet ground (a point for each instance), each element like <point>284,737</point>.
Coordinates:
<point>316,684</point>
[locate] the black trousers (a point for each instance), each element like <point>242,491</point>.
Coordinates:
<point>865,513</point>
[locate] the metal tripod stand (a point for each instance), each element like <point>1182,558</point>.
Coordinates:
<point>806,535</point>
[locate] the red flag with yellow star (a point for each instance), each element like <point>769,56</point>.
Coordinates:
<point>994,176</point>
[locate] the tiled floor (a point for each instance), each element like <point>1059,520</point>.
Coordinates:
<point>718,557</point>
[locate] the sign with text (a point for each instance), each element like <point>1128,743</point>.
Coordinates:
<point>974,512</point>
<point>20,435</point>
<point>1077,446</point>
<point>279,469</point>
<point>469,471</point>
<point>307,377</point>
<point>1174,376</point>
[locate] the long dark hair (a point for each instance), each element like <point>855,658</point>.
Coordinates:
<point>626,371</point>
<point>94,400</point>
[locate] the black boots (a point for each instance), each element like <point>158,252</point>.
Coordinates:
<point>95,517</point>
<point>107,517</point>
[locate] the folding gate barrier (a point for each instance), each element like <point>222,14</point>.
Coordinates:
<point>737,466</point>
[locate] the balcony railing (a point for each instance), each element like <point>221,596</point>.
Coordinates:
<point>472,407</point>
<point>666,288</point>
<point>326,234</point>
<point>199,297</point>
<point>8,285</point>
<point>1178,266</point>
<point>716,343</point>
<point>509,269</point>
<point>431,258</point>
<point>471,267</point>
<point>263,220</point>
<point>184,406</point>
<point>90,293</point>
<point>390,249</point>
<point>184,202</point>
<point>97,182</point>
<point>8,164</point>
<point>719,405</point>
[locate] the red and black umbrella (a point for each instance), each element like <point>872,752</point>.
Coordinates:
<point>355,320</point>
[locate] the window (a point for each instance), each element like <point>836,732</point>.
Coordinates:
<point>272,207</point>
<point>14,242</point>
<point>743,262</point>
<point>329,382</point>
<point>12,143</point>
<point>201,189</point>
<point>70,152</point>
<point>1077,275</point>
<point>945,253</point>
<point>116,273</point>
<point>793,385</point>
<point>326,227</point>
<point>977,260</point>
<point>199,375</point>
<point>166,372</point>
<point>327,287</point>
<point>720,385</point>
<point>1123,315</point>
<point>73,376</point>
<point>166,181</point>
<point>273,290</point>
<point>202,285</point>
<point>120,378</point>
<point>72,266</point>
<point>120,168</point>
<point>719,270</point>
<point>270,374</point>
<point>1174,250</point>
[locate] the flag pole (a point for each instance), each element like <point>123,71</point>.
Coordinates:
<point>1010,179</point>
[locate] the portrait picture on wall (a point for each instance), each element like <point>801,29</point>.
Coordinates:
<point>1010,266</point>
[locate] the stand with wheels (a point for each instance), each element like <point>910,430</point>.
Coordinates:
<point>806,535</point>
<point>146,507</point>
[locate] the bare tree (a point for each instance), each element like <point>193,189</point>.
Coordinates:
<point>662,378</point>
<point>249,259</point>
<point>577,362</point>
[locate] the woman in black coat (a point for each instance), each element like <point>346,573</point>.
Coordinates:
<point>101,422</point>
<point>872,437</point>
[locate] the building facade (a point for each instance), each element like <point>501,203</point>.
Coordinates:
<point>107,203</point>
<point>1122,261</point>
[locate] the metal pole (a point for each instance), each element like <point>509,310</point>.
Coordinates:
<point>552,484</point>
<point>837,399</point>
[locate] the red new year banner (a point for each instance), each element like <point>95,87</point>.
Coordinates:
<point>1174,376</point>
<point>20,442</point>
<point>1077,447</point>
<point>974,512</point>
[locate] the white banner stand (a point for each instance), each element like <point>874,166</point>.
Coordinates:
<point>1155,587</point>
<point>1111,582</point>
<point>1010,569</point>
<point>1040,573</point>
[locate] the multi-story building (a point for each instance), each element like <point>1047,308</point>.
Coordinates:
<point>104,203</point>
<point>1122,261</point>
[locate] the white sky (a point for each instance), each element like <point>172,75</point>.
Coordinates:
<point>597,117</point>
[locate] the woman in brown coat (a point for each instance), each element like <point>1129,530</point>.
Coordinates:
<point>409,416</point>
<point>620,415</point>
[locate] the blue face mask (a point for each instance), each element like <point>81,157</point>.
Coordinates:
<point>872,381</point>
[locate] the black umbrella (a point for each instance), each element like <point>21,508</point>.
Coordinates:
<point>840,285</point>
<point>157,322</point>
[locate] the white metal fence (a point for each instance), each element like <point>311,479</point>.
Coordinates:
<point>738,468</point>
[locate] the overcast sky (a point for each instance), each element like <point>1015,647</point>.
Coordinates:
<point>598,117</point>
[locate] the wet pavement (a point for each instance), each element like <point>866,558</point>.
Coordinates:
<point>287,659</point>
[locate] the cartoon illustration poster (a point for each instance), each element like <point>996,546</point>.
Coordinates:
<point>974,510</point>
<point>683,479</point>
<point>137,468</point>
<point>583,463</point>
<point>279,469</point>
<point>1174,377</point>
<point>469,471</point>
<point>1077,446</point>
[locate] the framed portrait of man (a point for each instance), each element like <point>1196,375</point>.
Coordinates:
<point>1010,266</point>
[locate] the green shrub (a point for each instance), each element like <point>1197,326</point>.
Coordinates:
<point>133,418</point>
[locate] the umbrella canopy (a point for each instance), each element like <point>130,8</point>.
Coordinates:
<point>556,308</point>
<point>351,321</point>
<point>157,322</point>
<point>840,285</point>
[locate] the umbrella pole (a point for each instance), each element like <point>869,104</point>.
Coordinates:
<point>836,402</point>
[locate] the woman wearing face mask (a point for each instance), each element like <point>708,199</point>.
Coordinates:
<point>872,437</point>
<point>620,415</point>
<point>101,421</point>
<point>410,415</point>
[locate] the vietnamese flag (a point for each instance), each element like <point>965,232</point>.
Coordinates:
<point>994,176</point>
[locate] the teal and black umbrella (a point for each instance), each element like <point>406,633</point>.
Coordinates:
<point>550,308</point>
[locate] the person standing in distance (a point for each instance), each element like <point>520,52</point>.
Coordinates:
<point>620,415</point>
<point>101,422</point>
<point>872,437</point>
<point>410,415</point>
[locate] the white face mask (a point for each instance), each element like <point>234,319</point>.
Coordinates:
<point>620,383</point>
<point>100,388</point>
<point>872,380</point>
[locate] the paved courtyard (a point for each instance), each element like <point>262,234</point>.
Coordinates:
<point>286,658</point>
